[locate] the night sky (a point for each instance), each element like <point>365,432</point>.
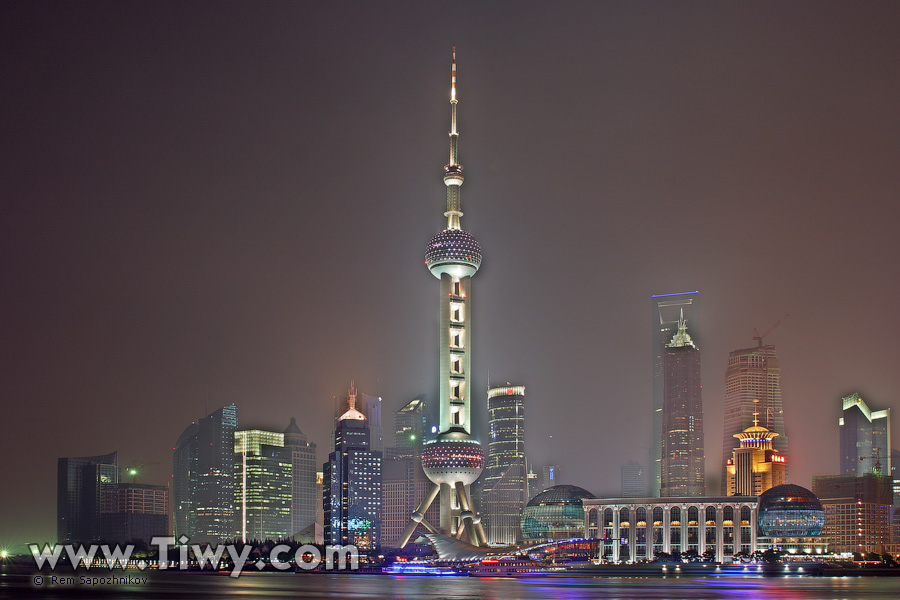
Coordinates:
<point>207,203</point>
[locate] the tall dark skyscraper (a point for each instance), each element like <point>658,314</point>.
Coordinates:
<point>304,499</point>
<point>203,478</point>
<point>504,491</point>
<point>683,460</point>
<point>865,438</point>
<point>79,495</point>
<point>666,310</point>
<point>752,374</point>
<point>453,460</point>
<point>352,493</point>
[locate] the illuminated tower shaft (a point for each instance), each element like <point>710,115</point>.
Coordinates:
<point>453,460</point>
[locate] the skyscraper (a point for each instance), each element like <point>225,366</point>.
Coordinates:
<point>683,461</point>
<point>504,491</point>
<point>304,499</point>
<point>411,426</point>
<point>865,438</point>
<point>203,478</point>
<point>263,485</point>
<point>666,310</point>
<point>453,460</point>
<point>352,491</point>
<point>370,406</point>
<point>752,374</point>
<point>79,495</point>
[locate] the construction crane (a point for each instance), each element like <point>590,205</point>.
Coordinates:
<point>759,338</point>
<point>877,456</point>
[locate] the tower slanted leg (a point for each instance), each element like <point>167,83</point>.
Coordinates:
<point>468,517</point>
<point>419,516</point>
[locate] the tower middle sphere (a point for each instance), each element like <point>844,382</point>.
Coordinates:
<point>455,252</point>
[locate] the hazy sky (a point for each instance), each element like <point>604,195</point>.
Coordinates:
<point>206,203</point>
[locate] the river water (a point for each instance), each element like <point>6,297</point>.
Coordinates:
<point>21,583</point>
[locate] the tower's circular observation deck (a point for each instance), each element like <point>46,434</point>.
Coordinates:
<point>453,456</point>
<point>453,251</point>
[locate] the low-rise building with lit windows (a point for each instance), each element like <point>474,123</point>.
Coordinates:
<point>857,512</point>
<point>637,529</point>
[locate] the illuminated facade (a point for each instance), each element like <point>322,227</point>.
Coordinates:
<point>752,374</point>
<point>865,438</point>
<point>755,466</point>
<point>857,511</point>
<point>263,485</point>
<point>352,480</point>
<point>203,478</point>
<point>667,310</point>
<point>504,491</point>
<point>637,529</point>
<point>453,460</point>
<point>683,460</point>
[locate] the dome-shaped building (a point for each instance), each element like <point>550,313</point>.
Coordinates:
<point>555,514</point>
<point>790,511</point>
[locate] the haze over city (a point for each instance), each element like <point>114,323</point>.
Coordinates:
<point>210,203</point>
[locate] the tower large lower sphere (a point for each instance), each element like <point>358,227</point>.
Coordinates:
<point>453,460</point>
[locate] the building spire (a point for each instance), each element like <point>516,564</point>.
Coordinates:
<point>681,337</point>
<point>352,393</point>
<point>352,412</point>
<point>453,176</point>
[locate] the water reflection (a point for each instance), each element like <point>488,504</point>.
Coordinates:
<point>193,585</point>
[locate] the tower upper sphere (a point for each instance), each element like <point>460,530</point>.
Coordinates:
<point>455,252</point>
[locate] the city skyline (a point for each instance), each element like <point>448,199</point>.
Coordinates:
<point>187,234</point>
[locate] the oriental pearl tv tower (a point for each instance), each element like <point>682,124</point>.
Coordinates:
<point>453,460</point>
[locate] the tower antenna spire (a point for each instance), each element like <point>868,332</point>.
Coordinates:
<point>453,176</point>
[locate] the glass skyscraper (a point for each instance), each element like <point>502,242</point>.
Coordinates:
<point>203,478</point>
<point>865,438</point>
<point>504,490</point>
<point>263,490</point>
<point>304,496</point>
<point>79,495</point>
